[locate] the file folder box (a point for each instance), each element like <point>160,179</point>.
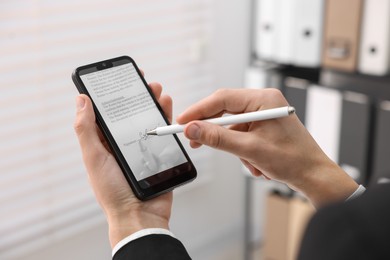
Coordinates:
<point>323,118</point>
<point>255,77</point>
<point>286,22</point>
<point>375,40</point>
<point>342,34</point>
<point>266,29</point>
<point>381,161</point>
<point>295,91</point>
<point>355,135</point>
<point>308,34</point>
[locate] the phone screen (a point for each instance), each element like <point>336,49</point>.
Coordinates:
<point>128,111</point>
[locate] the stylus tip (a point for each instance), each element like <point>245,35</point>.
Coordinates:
<point>291,110</point>
<point>151,132</point>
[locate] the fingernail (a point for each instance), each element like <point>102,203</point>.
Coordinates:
<point>80,103</point>
<point>193,132</point>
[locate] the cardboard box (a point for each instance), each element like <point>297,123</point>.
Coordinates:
<point>286,220</point>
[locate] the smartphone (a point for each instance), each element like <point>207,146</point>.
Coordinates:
<point>125,110</point>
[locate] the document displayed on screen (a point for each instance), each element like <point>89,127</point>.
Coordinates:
<point>129,112</point>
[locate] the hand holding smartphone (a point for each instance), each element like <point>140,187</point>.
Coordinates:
<point>125,110</point>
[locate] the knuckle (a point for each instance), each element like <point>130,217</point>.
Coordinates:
<point>221,92</point>
<point>276,94</point>
<point>214,138</point>
<point>273,92</point>
<point>78,126</point>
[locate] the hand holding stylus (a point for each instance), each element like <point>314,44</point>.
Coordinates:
<point>230,120</point>
<point>280,149</point>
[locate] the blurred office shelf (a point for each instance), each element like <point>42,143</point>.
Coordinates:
<point>360,89</point>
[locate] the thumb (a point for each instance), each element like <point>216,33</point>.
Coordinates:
<point>216,136</point>
<point>85,128</point>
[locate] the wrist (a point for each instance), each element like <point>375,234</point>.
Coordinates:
<point>123,225</point>
<point>325,183</point>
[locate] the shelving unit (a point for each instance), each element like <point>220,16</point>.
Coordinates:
<point>376,88</point>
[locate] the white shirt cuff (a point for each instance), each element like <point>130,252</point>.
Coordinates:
<point>359,191</point>
<point>139,234</point>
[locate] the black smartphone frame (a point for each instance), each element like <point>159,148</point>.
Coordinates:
<point>166,180</point>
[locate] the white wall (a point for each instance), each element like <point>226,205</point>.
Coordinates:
<point>209,220</point>
<point>208,215</point>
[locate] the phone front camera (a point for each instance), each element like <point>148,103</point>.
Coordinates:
<point>103,64</point>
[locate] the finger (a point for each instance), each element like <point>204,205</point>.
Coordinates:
<point>266,177</point>
<point>221,101</point>
<point>85,128</point>
<point>103,140</point>
<point>232,101</point>
<point>164,100</point>
<point>219,137</point>
<point>194,144</point>
<point>254,171</point>
<point>166,104</point>
<point>156,89</point>
<point>142,72</point>
<point>240,127</point>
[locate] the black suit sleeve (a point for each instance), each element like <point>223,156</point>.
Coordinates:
<point>153,247</point>
<point>332,235</point>
<point>358,229</point>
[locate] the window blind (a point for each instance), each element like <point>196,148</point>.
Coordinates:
<point>44,193</point>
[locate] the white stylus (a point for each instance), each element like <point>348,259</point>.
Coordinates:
<point>230,120</point>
